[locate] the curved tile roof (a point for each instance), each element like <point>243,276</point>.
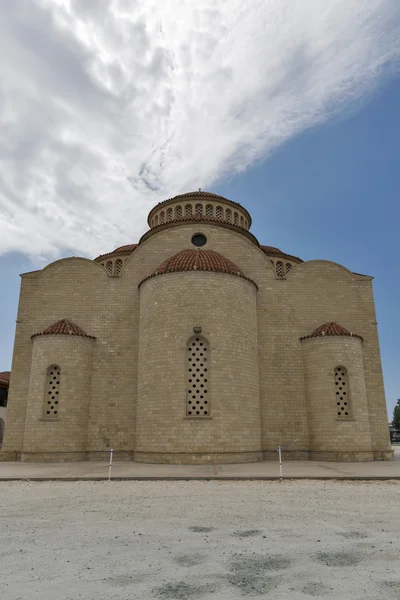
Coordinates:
<point>272,250</point>
<point>64,327</point>
<point>330,329</point>
<point>198,260</point>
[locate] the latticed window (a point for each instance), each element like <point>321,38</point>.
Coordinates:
<point>169,214</point>
<point>162,217</point>
<point>197,397</point>
<point>228,215</point>
<point>52,396</point>
<point>279,268</point>
<point>209,210</point>
<point>118,266</point>
<point>219,212</point>
<point>109,267</point>
<point>288,267</point>
<point>199,209</point>
<point>342,393</point>
<point>235,218</point>
<point>178,212</point>
<point>188,210</point>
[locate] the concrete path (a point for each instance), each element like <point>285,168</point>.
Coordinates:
<point>262,470</point>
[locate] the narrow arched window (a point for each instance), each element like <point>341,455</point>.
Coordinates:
<point>118,266</point>
<point>245,223</point>
<point>198,377</point>
<point>178,212</point>
<point>235,218</point>
<point>209,210</point>
<point>241,221</point>
<point>228,215</point>
<point>52,395</point>
<point>219,212</point>
<point>109,267</point>
<point>162,217</point>
<point>288,268</point>
<point>279,269</point>
<point>342,393</point>
<point>156,220</point>
<point>169,215</point>
<point>199,209</point>
<point>1,431</point>
<point>188,210</point>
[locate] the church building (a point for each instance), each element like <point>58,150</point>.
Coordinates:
<point>197,344</point>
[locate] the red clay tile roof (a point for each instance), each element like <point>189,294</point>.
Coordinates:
<point>121,249</point>
<point>5,376</point>
<point>272,250</point>
<point>330,329</point>
<point>64,327</point>
<point>198,260</point>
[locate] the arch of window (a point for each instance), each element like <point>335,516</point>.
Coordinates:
<point>188,210</point>
<point>228,215</point>
<point>279,268</point>
<point>178,212</point>
<point>235,218</point>
<point>169,215</point>
<point>209,210</point>
<point>288,267</point>
<point>52,395</point>
<point>109,267</point>
<point>162,217</point>
<point>118,266</point>
<point>199,209</point>
<point>198,377</point>
<point>219,212</point>
<point>342,393</point>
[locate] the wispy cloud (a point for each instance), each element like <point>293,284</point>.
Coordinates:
<point>108,106</point>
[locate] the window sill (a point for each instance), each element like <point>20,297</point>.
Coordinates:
<point>198,417</point>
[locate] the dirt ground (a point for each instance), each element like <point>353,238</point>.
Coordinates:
<point>200,540</point>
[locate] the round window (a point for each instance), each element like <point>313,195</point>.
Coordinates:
<point>199,239</point>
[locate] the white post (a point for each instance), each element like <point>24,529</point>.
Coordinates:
<point>109,468</point>
<point>280,462</point>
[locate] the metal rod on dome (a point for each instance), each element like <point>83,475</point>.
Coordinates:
<point>109,468</point>
<point>280,462</point>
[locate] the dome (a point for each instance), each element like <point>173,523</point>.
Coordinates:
<point>198,260</point>
<point>330,329</point>
<point>64,327</point>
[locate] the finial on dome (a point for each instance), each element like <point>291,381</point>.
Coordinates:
<point>199,189</point>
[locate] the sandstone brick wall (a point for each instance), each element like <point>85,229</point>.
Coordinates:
<point>109,308</point>
<point>225,307</point>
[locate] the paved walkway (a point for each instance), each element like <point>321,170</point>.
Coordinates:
<point>262,470</point>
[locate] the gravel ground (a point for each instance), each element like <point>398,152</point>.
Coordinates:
<point>199,540</point>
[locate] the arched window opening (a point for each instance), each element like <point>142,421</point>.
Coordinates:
<point>169,215</point>
<point>245,223</point>
<point>209,210</point>
<point>342,393</point>
<point>178,212</point>
<point>279,269</point>
<point>118,266</point>
<point>188,210</point>
<point>198,377</point>
<point>52,396</point>
<point>109,267</point>
<point>156,220</point>
<point>219,212</point>
<point>162,217</point>
<point>288,268</point>
<point>235,218</point>
<point>228,215</point>
<point>2,424</point>
<point>199,209</point>
<point>241,221</point>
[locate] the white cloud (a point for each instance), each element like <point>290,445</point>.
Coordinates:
<point>108,106</point>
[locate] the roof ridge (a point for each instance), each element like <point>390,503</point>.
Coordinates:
<point>63,327</point>
<point>330,329</point>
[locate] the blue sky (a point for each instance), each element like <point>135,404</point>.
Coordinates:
<point>290,108</point>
